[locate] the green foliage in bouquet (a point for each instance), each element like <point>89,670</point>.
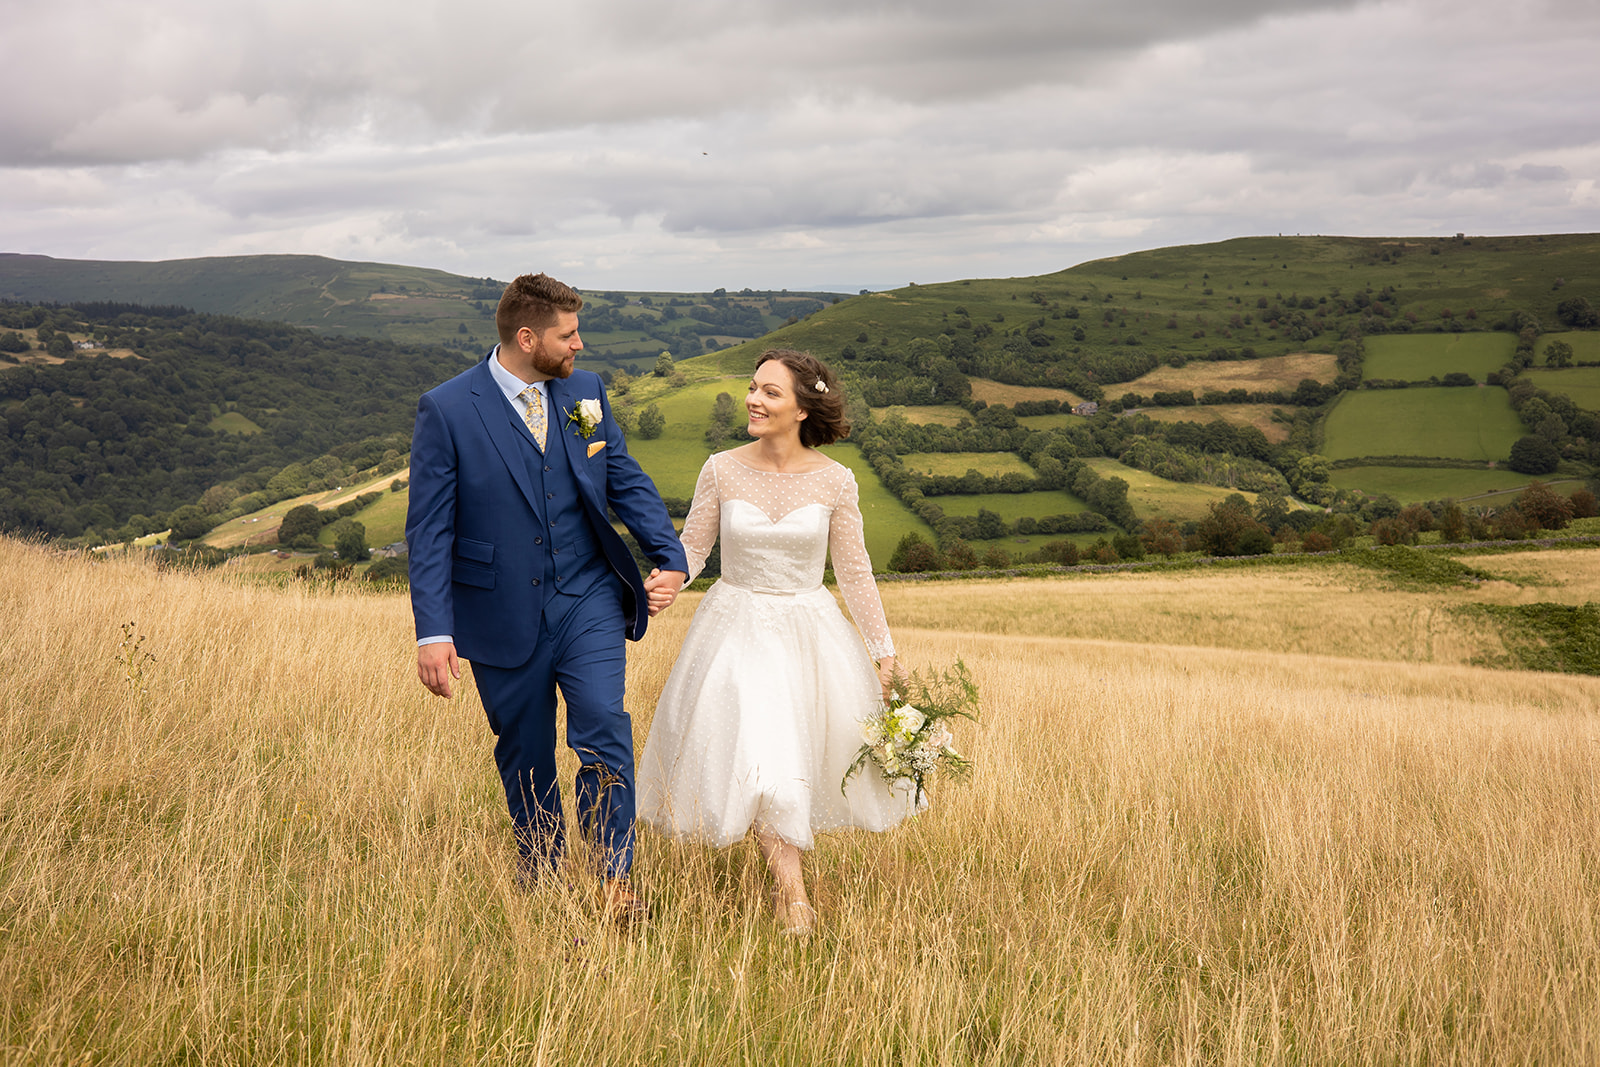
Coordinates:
<point>909,739</point>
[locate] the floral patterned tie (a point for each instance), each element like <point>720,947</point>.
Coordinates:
<point>533,415</point>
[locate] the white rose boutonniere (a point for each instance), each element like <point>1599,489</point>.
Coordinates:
<point>587,417</point>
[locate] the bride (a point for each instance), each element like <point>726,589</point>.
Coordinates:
<point>761,716</point>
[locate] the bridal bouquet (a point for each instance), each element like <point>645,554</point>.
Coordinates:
<point>909,738</point>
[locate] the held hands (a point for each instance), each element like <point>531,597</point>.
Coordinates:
<point>886,677</point>
<point>663,587</point>
<point>437,665</point>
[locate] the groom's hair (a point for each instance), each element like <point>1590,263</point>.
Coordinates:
<point>818,394</point>
<point>534,301</point>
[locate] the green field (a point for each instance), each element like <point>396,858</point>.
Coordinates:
<point>958,463</point>
<point>384,518</point>
<point>674,459</point>
<point>1013,506</point>
<point>1475,424</point>
<point>1582,384</point>
<point>1047,422</point>
<point>1418,357</point>
<point>233,422</point>
<point>1157,498</point>
<point>1411,485</point>
<point>1585,345</point>
<point>885,519</point>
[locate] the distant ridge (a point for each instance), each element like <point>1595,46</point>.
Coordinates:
<point>278,287</point>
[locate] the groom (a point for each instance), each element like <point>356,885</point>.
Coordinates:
<point>515,566</point>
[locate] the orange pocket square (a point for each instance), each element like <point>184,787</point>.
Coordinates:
<point>596,446</point>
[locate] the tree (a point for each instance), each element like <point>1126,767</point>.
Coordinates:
<point>1533,455</point>
<point>1162,537</point>
<point>1272,509</point>
<point>913,555</point>
<point>721,420</point>
<point>350,541</point>
<point>1062,552</point>
<point>960,556</point>
<point>651,423</point>
<point>13,342</point>
<point>304,519</point>
<point>1222,532</point>
<point>1544,508</point>
<point>1578,313</point>
<point>189,522</point>
<point>664,365</point>
<point>1453,526</point>
<point>392,569</point>
<point>1558,354</point>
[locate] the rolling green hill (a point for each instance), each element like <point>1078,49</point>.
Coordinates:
<point>413,305</point>
<point>1260,365</point>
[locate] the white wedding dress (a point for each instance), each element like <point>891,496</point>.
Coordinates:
<point>761,716</point>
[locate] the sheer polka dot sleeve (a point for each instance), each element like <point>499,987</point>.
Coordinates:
<point>705,518</point>
<point>852,568</point>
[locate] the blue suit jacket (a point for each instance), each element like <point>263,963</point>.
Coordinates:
<point>474,513</point>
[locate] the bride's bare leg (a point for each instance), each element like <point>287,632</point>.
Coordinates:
<point>789,900</point>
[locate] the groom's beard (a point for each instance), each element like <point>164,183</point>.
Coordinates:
<point>547,362</point>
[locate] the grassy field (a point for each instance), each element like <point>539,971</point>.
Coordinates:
<point>885,520</point>
<point>1257,415</point>
<point>1001,393</point>
<point>379,517</point>
<point>1582,384</point>
<point>1256,375</point>
<point>1585,344</point>
<point>1450,423</point>
<point>233,422</point>
<point>1227,819</point>
<point>958,463</point>
<point>1413,484</point>
<point>1157,498</point>
<point>1418,357</point>
<point>384,519</point>
<point>925,414</point>
<point>1013,506</point>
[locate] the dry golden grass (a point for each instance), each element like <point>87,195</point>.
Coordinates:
<point>992,392</point>
<point>271,846</point>
<point>1272,372</point>
<point>1257,415</point>
<point>926,414</point>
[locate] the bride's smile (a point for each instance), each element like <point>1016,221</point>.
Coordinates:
<point>771,402</point>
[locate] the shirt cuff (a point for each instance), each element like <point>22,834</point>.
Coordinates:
<point>438,640</point>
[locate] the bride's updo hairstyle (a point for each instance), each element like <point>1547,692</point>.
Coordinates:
<point>818,393</point>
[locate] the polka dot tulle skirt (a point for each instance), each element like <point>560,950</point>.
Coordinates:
<point>761,716</point>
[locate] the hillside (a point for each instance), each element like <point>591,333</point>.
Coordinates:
<point>1311,371</point>
<point>413,305</point>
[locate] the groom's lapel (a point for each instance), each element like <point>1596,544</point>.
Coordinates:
<point>564,398</point>
<point>505,429</point>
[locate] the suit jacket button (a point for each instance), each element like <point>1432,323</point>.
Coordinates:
<point>549,496</point>
<point>535,581</point>
<point>538,540</point>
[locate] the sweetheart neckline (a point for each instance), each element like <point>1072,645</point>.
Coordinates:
<point>770,520</point>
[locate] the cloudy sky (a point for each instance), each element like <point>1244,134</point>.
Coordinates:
<point>785,144</point>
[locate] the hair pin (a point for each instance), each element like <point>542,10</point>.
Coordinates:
<point>821,386</point>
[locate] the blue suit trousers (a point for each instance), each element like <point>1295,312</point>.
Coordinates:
<point>581,651</point>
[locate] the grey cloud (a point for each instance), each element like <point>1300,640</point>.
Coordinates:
<point>180,78</point>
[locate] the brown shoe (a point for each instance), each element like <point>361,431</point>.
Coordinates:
<point>622,905</point>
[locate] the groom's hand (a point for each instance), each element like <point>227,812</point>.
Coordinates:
<point>663,587</point>
<point>436,665</point>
